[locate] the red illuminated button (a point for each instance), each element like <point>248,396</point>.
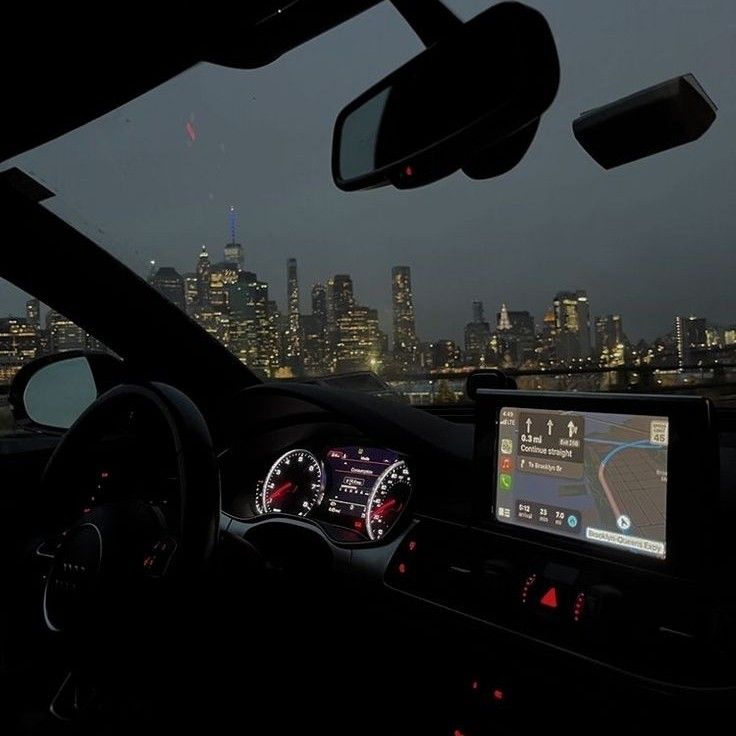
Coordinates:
<point>549,599</point>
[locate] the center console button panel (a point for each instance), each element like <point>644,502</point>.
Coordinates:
<point>646,623</point>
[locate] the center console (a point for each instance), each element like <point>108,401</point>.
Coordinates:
<point>590,533</point>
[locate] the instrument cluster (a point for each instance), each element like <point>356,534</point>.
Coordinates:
<point>364,489</point>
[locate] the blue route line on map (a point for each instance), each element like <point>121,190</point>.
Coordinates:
<point>643,444</point>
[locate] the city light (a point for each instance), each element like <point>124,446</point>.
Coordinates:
<point>568,349</point>
<point>338,336</point>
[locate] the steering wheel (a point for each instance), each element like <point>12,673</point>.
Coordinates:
<point>131,502</point>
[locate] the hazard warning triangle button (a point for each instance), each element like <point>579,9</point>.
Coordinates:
<point>549,599</point>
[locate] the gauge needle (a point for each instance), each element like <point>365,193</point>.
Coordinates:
<point>384,507</point>
<point>283,488</point>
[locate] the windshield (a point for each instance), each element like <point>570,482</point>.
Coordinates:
<point>216,186</point>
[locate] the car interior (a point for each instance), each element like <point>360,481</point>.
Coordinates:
<point>187,543</point>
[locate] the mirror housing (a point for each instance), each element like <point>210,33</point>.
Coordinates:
<point>472,100</point>
<point>49,393</point>
<point>650,121</point>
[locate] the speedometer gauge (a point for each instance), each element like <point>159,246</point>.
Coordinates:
<point>388,499</point>
<point>293,485</point>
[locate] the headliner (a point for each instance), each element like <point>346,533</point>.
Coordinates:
<point>59,75</point>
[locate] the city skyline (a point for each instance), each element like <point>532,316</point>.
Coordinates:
<point>12,300</point>
<point>339,334</point>
<point>385,308</point>
<point>336,334</point>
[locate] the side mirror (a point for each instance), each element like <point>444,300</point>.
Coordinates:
<point>51,392</point>
<point>472,100</point>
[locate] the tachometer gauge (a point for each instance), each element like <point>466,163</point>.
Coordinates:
<point>293,485</point>
<point>258,498</point>
<point>388,499</point>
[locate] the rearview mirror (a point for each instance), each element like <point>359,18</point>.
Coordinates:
<point>51,392</point>
<point>472,101</point>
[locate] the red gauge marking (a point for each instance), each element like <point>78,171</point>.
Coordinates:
<point>385,507</point>
<point>281,490</point>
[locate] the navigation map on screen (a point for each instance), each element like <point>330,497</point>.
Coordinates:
<point>596,477</point>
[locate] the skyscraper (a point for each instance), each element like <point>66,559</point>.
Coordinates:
<point>608,333</point>
<point>63,333</point>
<point>243,295</point>
<point>315,353</point>
<point>251,336</point>
<point>514,337</point>
<point>405,336</point>
<point>169,282</point>
<point>233,253</point>
<point>521,335</point>
<point>313,344</point>
<point>204,272</point>
<point>446,355</point>
<point>339,297</point>
<point>191,291</point>
<point>572,326</point>
<point>503,321</point>
<point>18,340</point>
<point>319,304</point>
<point>610,342</point>
<point>477,337</point>
<point>33,312</point>
<point>690,339</point>
<point>222,275</point>
<point>293,342</point>
<point>359,340</point>
<point>275,342</point>
<point>478,312</point>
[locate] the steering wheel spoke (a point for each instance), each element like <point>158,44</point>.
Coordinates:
<point>158,561</point>
<point>71,699</point>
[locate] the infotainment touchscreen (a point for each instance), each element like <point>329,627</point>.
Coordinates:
<point>593,476</point>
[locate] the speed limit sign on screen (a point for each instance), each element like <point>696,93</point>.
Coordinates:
<point>659,431</point>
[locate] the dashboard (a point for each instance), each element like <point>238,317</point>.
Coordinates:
<point>573,525</point>
<point>360,491</point>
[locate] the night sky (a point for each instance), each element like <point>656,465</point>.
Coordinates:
<point>649,240</point>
